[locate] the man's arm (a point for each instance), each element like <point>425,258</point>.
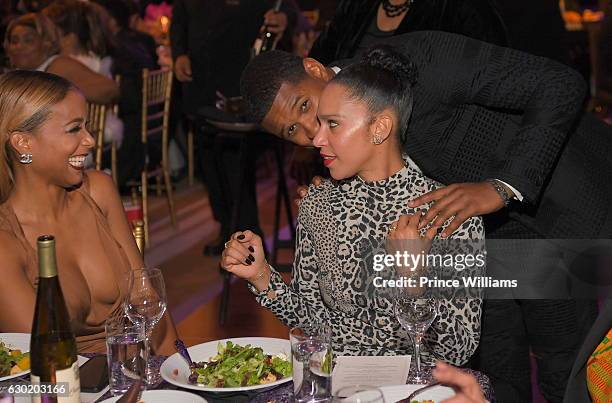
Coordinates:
<point>458,70</point>
<point>179,29</point>
<point>547,94</point>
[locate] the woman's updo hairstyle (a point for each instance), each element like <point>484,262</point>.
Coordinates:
<point>383,78</point>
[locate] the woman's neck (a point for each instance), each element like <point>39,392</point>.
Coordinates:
<point>386,162</point>
<point>34,200</point>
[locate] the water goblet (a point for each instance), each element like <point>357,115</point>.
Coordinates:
<point>146,304</point>
<point>415,316</point>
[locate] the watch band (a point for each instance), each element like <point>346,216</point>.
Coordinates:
<point>501,191</point>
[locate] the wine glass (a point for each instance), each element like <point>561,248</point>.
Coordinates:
<point>146,304</point>
<point>416,315</point>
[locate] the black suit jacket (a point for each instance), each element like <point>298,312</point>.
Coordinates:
<point>576,391</point>
<point>476,19</point>
<point>217,35</point>
<point>483,111</point>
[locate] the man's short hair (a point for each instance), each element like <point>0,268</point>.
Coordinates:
<point>262,78</point>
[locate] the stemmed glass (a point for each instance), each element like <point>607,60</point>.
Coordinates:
<point>146,304</point>
<point>416,315</point>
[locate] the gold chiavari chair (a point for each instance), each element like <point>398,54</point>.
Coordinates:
<point>156,93</point>
<point>96,121</point>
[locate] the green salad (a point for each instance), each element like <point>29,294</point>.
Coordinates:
<point>236,366</point>
<point>12,361</point>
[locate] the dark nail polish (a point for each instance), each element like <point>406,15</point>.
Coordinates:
<point>251,258</point>
<point>248,262</point>
<point>240,237</point>
<point>251,249</point>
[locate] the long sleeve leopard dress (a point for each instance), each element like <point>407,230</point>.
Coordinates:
<point>340,227</point>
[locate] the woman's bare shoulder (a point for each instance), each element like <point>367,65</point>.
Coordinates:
<point>101,188</point>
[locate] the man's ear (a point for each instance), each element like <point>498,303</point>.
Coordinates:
<point>381,127</point>
<point>21,142</point>
<point>315,69</point>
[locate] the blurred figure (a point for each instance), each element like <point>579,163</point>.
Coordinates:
<point>85,36</point>
<point>133,51</point>
<point>32,43</point>
<point>211,44</point>
<point>359,25</point>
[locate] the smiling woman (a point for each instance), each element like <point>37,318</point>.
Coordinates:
<point>45,190</point>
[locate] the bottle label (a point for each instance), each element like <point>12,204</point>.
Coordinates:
<point>67,389</point>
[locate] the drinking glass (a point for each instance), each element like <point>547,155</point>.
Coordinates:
<point>312,360</point>
<point>359,394</point>
<point>415,316</point>
<point>145,304</point>
<point>126,353</point>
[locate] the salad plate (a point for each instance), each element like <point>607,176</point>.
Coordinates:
<point>176,371</point>
<point>10,342</point>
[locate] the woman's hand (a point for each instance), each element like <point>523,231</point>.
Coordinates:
<point>405,232</point>
<point>465,385</point>
<point>244,256</point>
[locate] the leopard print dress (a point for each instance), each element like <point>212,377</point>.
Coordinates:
<point>341,226</point>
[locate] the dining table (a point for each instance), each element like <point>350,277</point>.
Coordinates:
<point>280,394</point>
<point>284,393</point>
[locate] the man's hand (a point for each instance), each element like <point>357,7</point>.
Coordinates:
<point>276,22</point>
<point>303,190</point>
<point>465,385</point>
<point>182,68</point>
<point>461,200</point>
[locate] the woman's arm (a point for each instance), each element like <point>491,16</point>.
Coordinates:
<point>95,87</point>
<point>104,192</point>
<point>17,296</point>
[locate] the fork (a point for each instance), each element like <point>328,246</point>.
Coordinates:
<point>418,392</point>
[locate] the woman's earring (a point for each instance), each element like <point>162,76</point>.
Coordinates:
<point>25,158</point>
<point>376,139</point>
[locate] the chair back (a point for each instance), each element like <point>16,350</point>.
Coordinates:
<point>156,92</point>
<point>96,121</point>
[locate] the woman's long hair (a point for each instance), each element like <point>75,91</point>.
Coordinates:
<point>26,99</point>
<point>88,21</point>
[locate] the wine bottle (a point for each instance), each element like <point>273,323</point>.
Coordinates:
<point>267,40</point>
<point>53,351</point>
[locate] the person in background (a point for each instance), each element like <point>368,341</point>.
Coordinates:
<point>32,43</point>
<point>44,189</point>
<point>133,51</point>
<point>359,25</point>
<point>85,36</point>
<point>205,63</point>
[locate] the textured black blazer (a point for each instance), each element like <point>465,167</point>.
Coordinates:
<point>477,19</point>
<point>483,111</point>
<point>577,391</point>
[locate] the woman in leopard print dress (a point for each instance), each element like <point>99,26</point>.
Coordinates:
<point>342,225</point>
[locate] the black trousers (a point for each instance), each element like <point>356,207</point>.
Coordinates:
<point>221,165</point>
<point>553,330</point>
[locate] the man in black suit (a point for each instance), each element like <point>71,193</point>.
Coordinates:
<point>211,44</point>
<point>501,128</point>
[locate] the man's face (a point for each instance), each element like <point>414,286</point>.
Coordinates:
<point>293,115</point>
